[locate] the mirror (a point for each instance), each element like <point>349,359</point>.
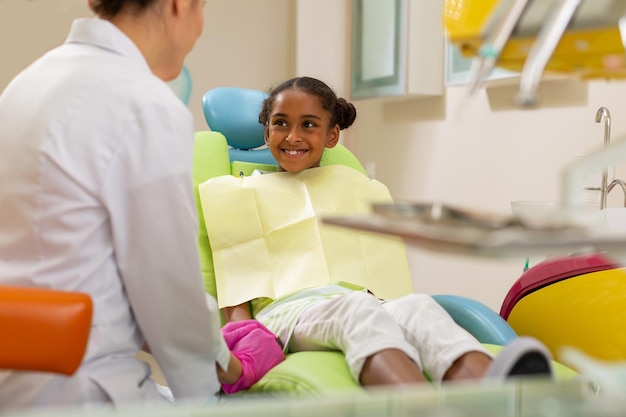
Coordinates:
<point>378,48</point>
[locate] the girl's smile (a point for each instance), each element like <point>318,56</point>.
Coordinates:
<point>299,130</point>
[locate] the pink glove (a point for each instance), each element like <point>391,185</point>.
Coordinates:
<point>256,348</point>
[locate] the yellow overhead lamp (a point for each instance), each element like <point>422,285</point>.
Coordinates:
<point>577,37</point>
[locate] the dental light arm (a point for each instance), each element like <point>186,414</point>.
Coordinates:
<point>547,39</point>
<point>581,38</point>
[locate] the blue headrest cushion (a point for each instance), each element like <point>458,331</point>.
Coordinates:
<point>234,112</point>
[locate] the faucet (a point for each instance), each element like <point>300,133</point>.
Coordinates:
<point>603,112</point>
<point>621,184</point>
<point>605,188</point>
<point>574,174</point>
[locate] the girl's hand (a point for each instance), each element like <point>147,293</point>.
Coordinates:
<point>256,348</point>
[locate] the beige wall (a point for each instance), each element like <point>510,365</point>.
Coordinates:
<point>443,148</point>
<point>245,43</point>
<point>460,151</point>
<point>325,54</point>
<point>30,28</point>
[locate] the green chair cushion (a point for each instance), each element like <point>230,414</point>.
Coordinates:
<point>340,155</point>
<point>310,373</point>
<point>238,167</point>
<point>210,159</point>
<point>319,373</point>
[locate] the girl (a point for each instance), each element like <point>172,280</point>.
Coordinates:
<point>385,342</point>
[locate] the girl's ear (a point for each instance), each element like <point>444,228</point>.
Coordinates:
<point>266,134</point>
<point>333,137</point>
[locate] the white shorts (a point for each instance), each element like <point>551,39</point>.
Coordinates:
<point>359,325</point>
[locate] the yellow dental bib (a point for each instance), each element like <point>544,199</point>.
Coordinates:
<point>268,239</point>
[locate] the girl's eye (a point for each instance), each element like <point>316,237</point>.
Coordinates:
<point>308,124</point>
<point>280,122</point>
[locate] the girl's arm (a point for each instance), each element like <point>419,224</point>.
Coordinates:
<point>232,374</point>
<point>237,313</point>
<point>254,349</point>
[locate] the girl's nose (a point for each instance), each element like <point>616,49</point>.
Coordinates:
<point>293,137</point>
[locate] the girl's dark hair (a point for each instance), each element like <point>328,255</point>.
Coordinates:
<point>341,112</point>
<point>111,8</point>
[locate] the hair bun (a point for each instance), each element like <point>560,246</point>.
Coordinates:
<point>346,113</point>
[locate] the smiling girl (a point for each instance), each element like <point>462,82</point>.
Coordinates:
<point>388,342</point>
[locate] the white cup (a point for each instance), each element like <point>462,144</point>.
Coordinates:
<point>537,213</point>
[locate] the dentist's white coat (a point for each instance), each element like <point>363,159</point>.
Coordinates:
<point>96,196</point>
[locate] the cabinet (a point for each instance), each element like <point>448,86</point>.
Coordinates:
<point>397,49</point>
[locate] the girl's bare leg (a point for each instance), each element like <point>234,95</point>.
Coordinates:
<point>471,365</point>
<point>390,367</point>
<point>393,367</point>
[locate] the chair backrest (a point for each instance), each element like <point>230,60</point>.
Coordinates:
<point>235,145</point>
<point>43,330</point>
<point>234,112</point>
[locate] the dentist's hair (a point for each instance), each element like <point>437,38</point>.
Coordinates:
<point>341,112</point>
<point>111,8</point>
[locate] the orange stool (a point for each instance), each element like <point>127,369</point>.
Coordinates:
<point>43,330</point>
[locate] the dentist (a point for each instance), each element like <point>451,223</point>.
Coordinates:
<point>96,196</point>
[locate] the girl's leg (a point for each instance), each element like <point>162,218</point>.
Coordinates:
<point>390,367</point>
<point>447,351</point>
<point>471,365</point>
<point>355,323</point>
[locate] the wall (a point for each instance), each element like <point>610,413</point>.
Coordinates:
<point>29,28</point>
<point>325,54</point>
<point>479,152</point>
<point>242,45</point>
<point>484,159</point>
<point>245,43</point>
<point>443,148</point>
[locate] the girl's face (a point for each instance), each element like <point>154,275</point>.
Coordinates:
<point>299,130</point>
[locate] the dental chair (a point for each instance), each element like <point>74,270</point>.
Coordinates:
<point>234,145</point>
<point>575,301</point>
<point>43,330</point>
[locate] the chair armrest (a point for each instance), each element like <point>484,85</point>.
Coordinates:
<point>482,322</point>
<point>43,330</point>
